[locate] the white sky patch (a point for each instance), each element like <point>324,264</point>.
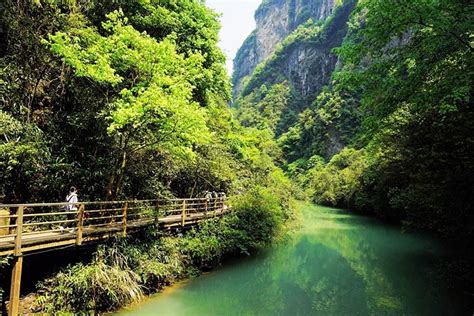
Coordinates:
<point>237,23</point>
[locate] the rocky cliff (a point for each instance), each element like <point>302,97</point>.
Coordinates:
<point>275,19</point>
<point>284,66</point>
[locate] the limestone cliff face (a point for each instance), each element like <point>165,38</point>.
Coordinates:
<point>305,59</point>
<point>292,46</point>
<point>278,18</point>
<point>275,20</point>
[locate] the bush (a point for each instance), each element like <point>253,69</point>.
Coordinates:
<point>97,286</point>
<point>260,215</point>
<point>338,182</point>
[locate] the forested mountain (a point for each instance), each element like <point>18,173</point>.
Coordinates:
<point>121,99</point>
<point>363,104</point>
<point>371,106</point>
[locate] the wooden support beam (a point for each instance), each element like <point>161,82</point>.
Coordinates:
<point>183,215</point>
<point>124,220</point>
<point>80,224</point>
<point>19,230</point>
<point>14,303</point>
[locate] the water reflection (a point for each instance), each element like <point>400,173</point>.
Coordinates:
<point>336,264</point>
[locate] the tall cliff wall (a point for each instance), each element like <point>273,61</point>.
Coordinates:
<point>305,58</point>
<point>275,20</point>
<point>294,71</point>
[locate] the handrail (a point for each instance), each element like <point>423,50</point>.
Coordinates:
<point>40,220</point>
<point>101,202</point>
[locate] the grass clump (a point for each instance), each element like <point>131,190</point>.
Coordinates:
<point>97,286</point>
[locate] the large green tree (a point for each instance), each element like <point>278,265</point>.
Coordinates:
<point>122,99</point>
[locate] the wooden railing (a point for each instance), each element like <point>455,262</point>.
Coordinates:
<point>29,227</point>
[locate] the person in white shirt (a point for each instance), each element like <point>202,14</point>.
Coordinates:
<point>71,198</point>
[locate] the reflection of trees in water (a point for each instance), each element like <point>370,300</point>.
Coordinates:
<point>286,281</point>
<point>327,272</point>
<point>355,247</point>
<point>330,284</point>
<point>337,266</point>
<point>341,267</point>
<point>392,265</point>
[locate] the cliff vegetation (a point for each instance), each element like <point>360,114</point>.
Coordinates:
<point>372,110</point>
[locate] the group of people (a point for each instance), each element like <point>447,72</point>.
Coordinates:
<point>214,195</point>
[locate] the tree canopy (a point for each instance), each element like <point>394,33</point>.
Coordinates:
<point>121,99</point>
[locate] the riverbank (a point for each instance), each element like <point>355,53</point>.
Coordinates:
<point>126,270</point>
<point>335,263</point>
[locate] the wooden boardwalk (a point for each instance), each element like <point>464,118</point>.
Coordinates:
<point>26,228</point>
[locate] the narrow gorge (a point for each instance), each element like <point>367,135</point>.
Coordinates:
<point>330,172</point>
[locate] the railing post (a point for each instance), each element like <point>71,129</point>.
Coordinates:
<point>5,220</point>
<point>19,230</point>
<point>124,220</point>
<point>183,215</point>
<point>80,224</point>
<point>205,208</point>
<point>14,303</point>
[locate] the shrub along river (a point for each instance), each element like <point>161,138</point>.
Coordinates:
<point>336,263</point>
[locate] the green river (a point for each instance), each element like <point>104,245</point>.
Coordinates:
<point>336,263</point>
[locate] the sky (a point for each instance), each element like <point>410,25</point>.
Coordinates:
<point>237,23</point>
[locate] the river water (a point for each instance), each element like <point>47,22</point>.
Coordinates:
<point>336,263</point>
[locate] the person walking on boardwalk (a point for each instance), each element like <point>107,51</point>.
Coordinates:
<point>73,199</point>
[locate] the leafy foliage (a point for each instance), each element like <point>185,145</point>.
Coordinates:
<point>422,45</point>
<point>416,91</point>
<point>121,99</point>
<point>22,153</point>
<point>97,286</point>
<point>267,108</point>
<point>333,119</point>
<point>338,182</point>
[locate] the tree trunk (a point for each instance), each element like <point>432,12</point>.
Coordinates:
<point>122,169</point>
<point>110,185</point>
